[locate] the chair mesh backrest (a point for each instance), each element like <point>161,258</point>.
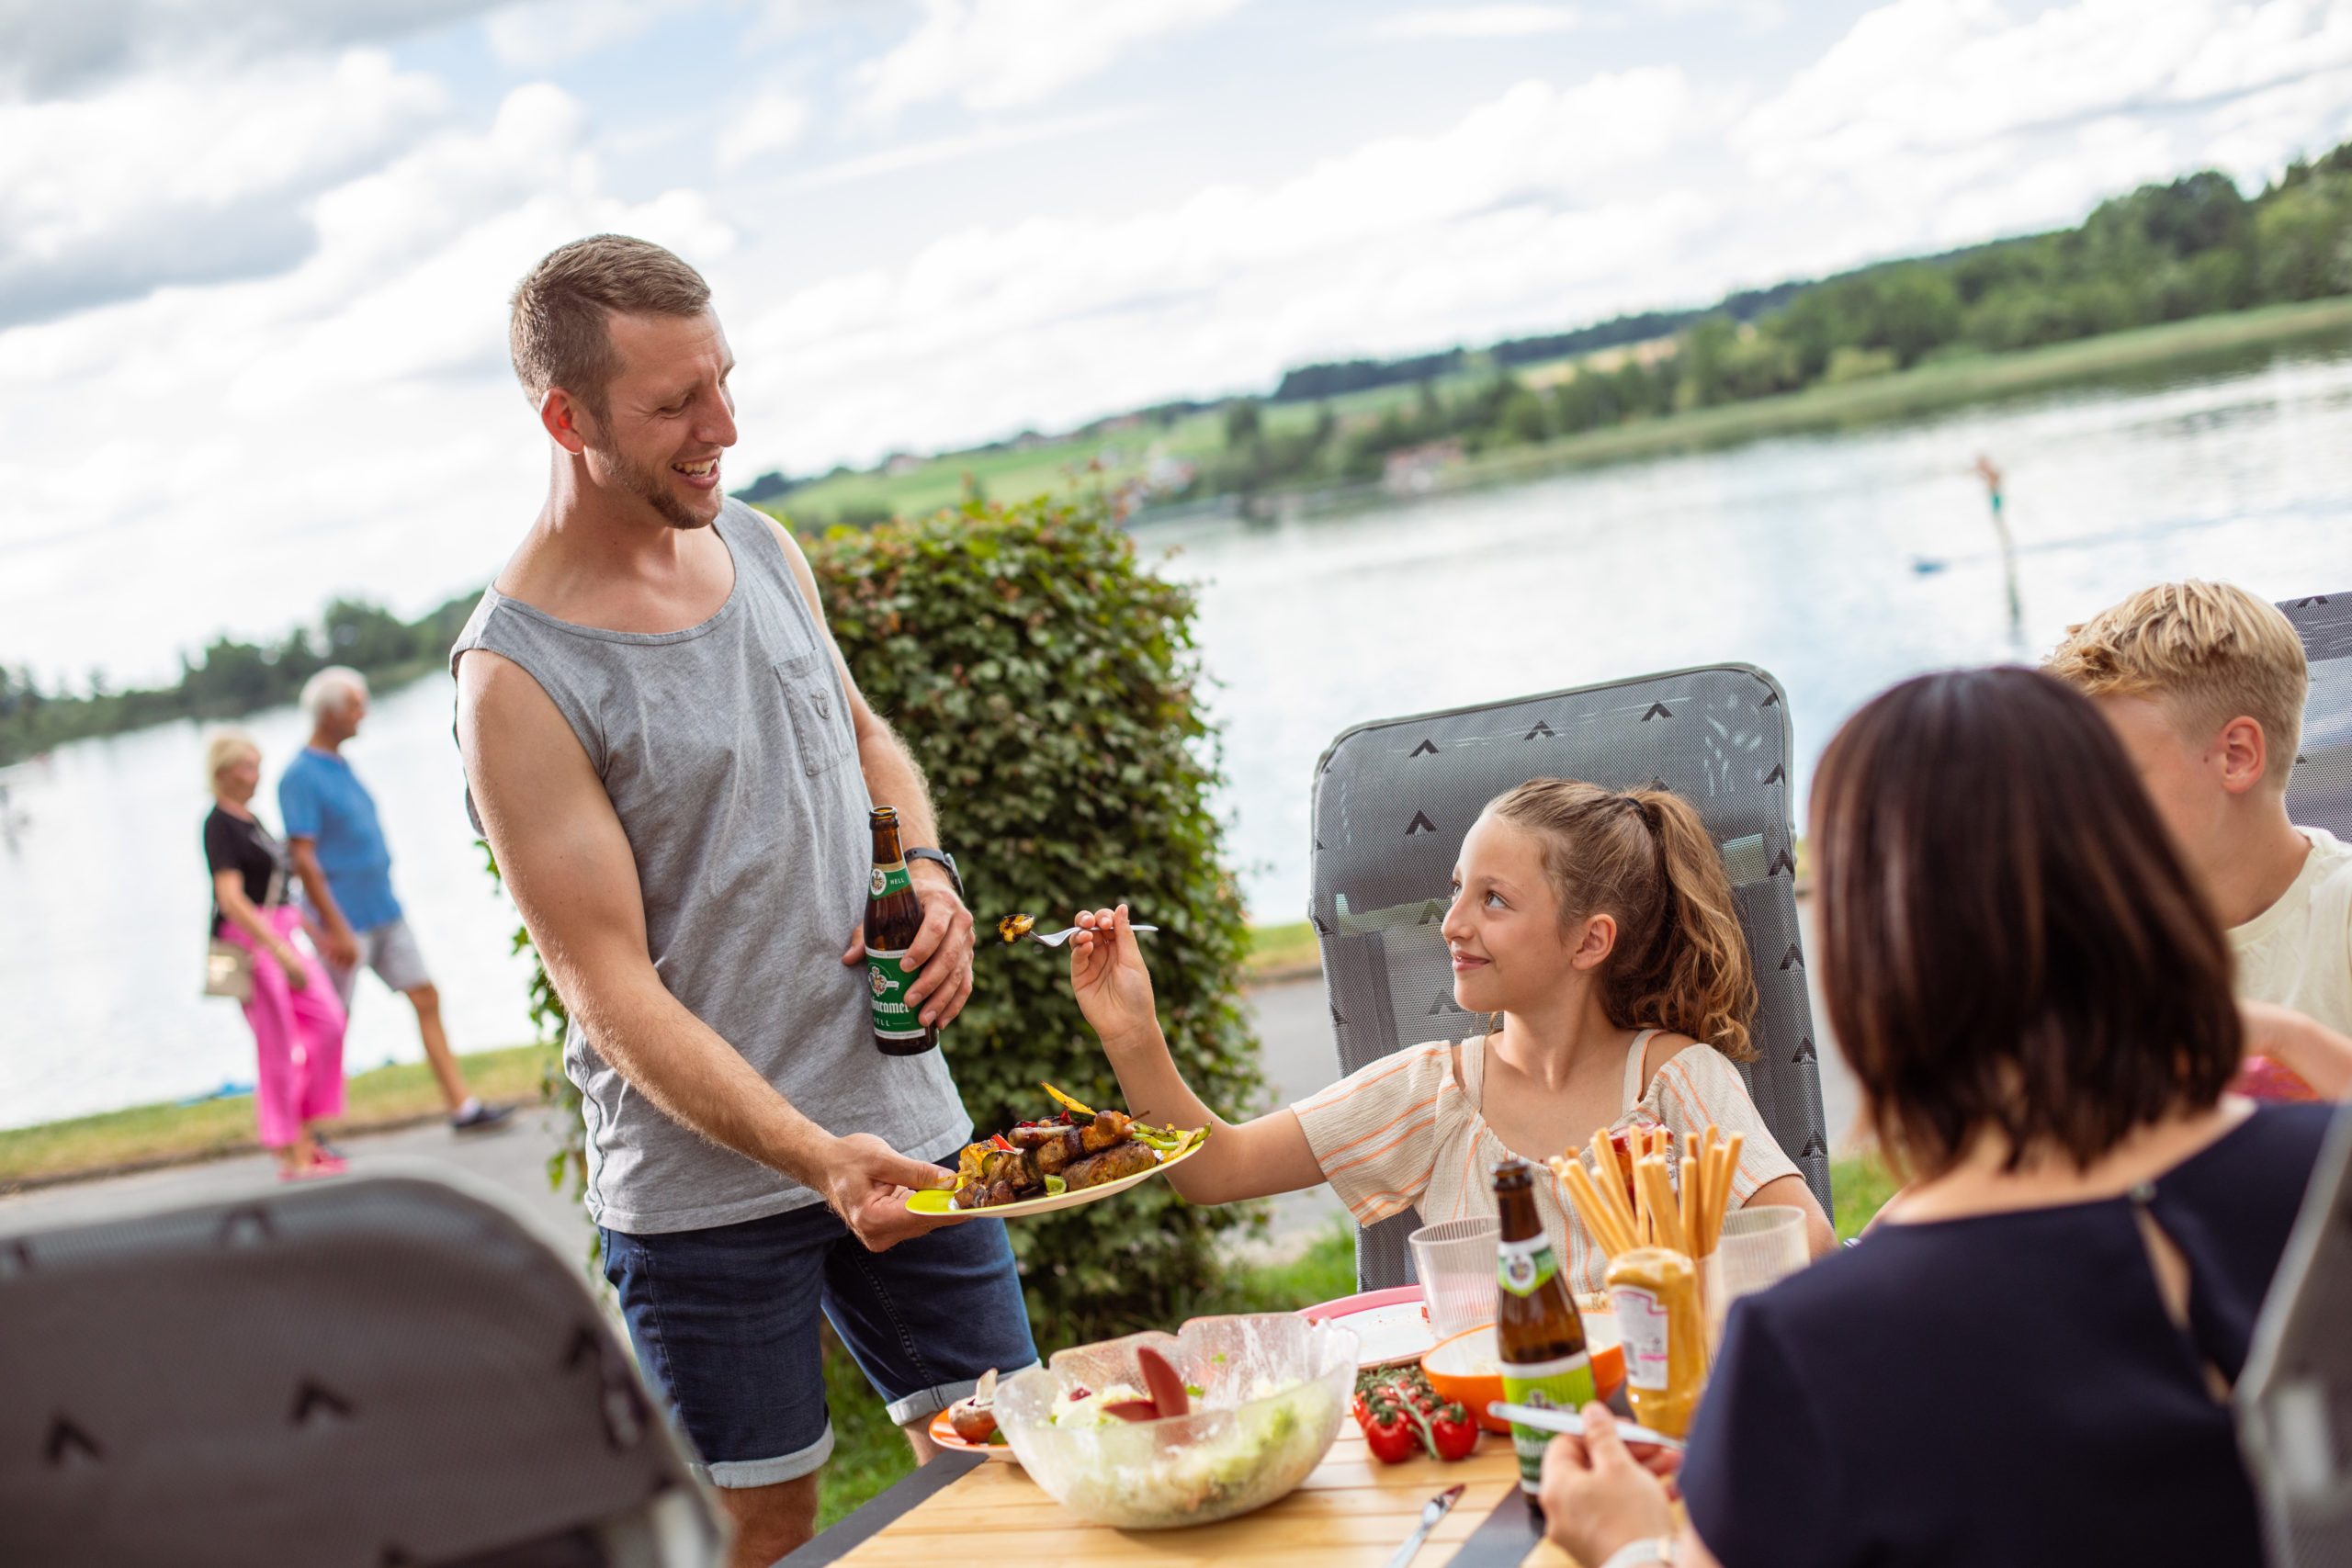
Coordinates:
<point>1394,798</point>
<point>2319,792</point>
<point>352,1374</point>
<point>2294,1400</point>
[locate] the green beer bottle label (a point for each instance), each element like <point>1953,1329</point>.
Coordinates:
<point>1523,1268</point>
<point>887,974</point>
<point>1562,1384</point>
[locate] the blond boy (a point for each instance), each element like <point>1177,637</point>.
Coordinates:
<point>2204,684</point>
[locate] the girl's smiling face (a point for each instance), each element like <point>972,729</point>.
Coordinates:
<point>1503,928</point>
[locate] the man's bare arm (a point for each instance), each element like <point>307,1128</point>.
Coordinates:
<point>337,941</point>
<point>893,778</point>
<point>566,861</point>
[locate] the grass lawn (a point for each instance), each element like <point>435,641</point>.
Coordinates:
<point>382,1096</point>
<point>869,1454</point>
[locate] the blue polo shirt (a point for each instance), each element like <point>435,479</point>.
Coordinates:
<point>322,799</point>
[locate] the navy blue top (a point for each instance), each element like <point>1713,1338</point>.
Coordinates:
<point>2005,1390</point>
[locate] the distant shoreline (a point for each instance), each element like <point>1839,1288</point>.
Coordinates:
<point>1929,388</point>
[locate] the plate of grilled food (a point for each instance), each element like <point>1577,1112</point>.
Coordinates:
<point>1078,1156</point>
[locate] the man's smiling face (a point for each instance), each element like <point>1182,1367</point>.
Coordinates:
<point>667,417</point>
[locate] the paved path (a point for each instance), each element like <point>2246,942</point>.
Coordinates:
<point>1290,1020</point>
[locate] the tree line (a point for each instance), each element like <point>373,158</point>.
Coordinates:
<point>2166,252</point>
<point>230,677</point>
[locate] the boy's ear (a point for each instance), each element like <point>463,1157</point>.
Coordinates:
<point>1595,942</point>
<point>2244,752</point>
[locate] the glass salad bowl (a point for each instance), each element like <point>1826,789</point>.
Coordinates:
<point>1266,1393</point>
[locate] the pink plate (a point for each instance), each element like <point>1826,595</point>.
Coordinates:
<point>1391,1323</point>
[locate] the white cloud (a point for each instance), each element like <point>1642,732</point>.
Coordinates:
<point>1479,22</point>
<point>550,32</point>
<point>218,432</point>
<point>999,53</point>
<point>1954,119</point>
<point>769,123</point>
<point>1528,208</point>
<point>963,145</point>
<point>52,46</point>
<point>187,179</point>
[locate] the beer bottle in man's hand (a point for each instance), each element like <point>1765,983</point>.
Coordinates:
<point>893,915</point>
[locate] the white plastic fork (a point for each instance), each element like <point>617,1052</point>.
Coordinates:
<point>1055,939</point>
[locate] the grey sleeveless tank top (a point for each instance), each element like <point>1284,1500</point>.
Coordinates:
<point>729,754</point>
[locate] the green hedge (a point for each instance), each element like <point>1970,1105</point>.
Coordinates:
<point>1046,685</point>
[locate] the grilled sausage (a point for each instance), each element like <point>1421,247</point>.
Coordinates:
<point>1118,1161</point>
<point>1052,1156</point>
<point>1108,1127</point>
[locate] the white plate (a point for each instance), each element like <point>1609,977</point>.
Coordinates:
<point>935,1202</point>
<point>1391,1335</point>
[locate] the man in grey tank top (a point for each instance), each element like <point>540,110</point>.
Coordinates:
<point>673,766</point>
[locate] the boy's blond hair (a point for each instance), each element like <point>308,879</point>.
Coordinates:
<point>2208,651</point>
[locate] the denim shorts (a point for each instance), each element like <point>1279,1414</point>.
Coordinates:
<point>725,1324</point>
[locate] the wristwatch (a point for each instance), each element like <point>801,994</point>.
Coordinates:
<point>1640,1553</point>
<point>944,858</point>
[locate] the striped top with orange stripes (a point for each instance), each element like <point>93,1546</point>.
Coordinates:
<point>1406,1132</point>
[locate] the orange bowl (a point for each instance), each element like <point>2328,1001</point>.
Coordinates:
<point>1466,1368</point>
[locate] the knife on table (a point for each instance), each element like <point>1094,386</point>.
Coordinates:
<point>1432,1511</point>
<point>1568,1422</point>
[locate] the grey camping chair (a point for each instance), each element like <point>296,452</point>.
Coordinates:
<point>350,1374</point>
<point>2294,1399</point>
<point>1393,799</point>
<point>2319,792</point>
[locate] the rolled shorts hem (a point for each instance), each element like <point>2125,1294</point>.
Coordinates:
<point>736,1474</point>
<point>926,1402</point>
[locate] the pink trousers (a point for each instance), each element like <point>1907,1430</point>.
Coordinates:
<point>297,1037</point>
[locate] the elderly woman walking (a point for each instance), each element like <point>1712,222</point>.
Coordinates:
<point>295,1017</point>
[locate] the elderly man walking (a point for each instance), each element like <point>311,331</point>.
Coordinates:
<point>339,853</point>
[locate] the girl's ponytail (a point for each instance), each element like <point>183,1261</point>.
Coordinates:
<point>1696,979</point>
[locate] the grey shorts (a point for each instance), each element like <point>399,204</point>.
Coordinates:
<point>389,949</point>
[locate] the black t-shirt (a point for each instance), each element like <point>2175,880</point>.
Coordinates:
<point>2006,1390</point>
<point>234,843</point>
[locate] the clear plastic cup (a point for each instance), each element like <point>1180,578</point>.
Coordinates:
<point>1760,1247</point>
<point>1455,1261</point>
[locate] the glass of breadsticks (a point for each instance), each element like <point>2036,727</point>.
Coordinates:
<point>1678,1204</point>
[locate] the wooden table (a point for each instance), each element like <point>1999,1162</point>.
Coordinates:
<point>1352,1510</point>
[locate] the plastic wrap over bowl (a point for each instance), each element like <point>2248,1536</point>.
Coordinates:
<point>1272,1388</point>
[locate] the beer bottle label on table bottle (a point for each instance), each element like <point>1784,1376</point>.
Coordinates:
<point>1524,1268</point>
<point>1562,1384</point>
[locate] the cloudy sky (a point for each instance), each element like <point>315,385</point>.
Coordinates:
<point>255,254</point>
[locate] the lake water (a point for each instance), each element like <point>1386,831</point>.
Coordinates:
<point>1805,556</point>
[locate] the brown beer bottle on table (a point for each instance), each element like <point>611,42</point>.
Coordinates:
<point>893,915</point>
<point>1537,1332</point>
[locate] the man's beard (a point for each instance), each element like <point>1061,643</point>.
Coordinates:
<point>650,486</point>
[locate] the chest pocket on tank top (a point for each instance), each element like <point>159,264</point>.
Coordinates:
<point>821,726</point>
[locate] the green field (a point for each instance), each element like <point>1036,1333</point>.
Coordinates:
<point>1955,383</point>
<point>1058,466</point>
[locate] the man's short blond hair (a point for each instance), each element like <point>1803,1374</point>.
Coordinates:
<point>557,326</point>
<point>2208,651</point>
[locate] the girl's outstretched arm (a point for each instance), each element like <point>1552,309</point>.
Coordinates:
<point>1255,1159</point>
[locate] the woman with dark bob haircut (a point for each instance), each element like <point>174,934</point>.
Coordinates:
<point>2028,1360</point>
